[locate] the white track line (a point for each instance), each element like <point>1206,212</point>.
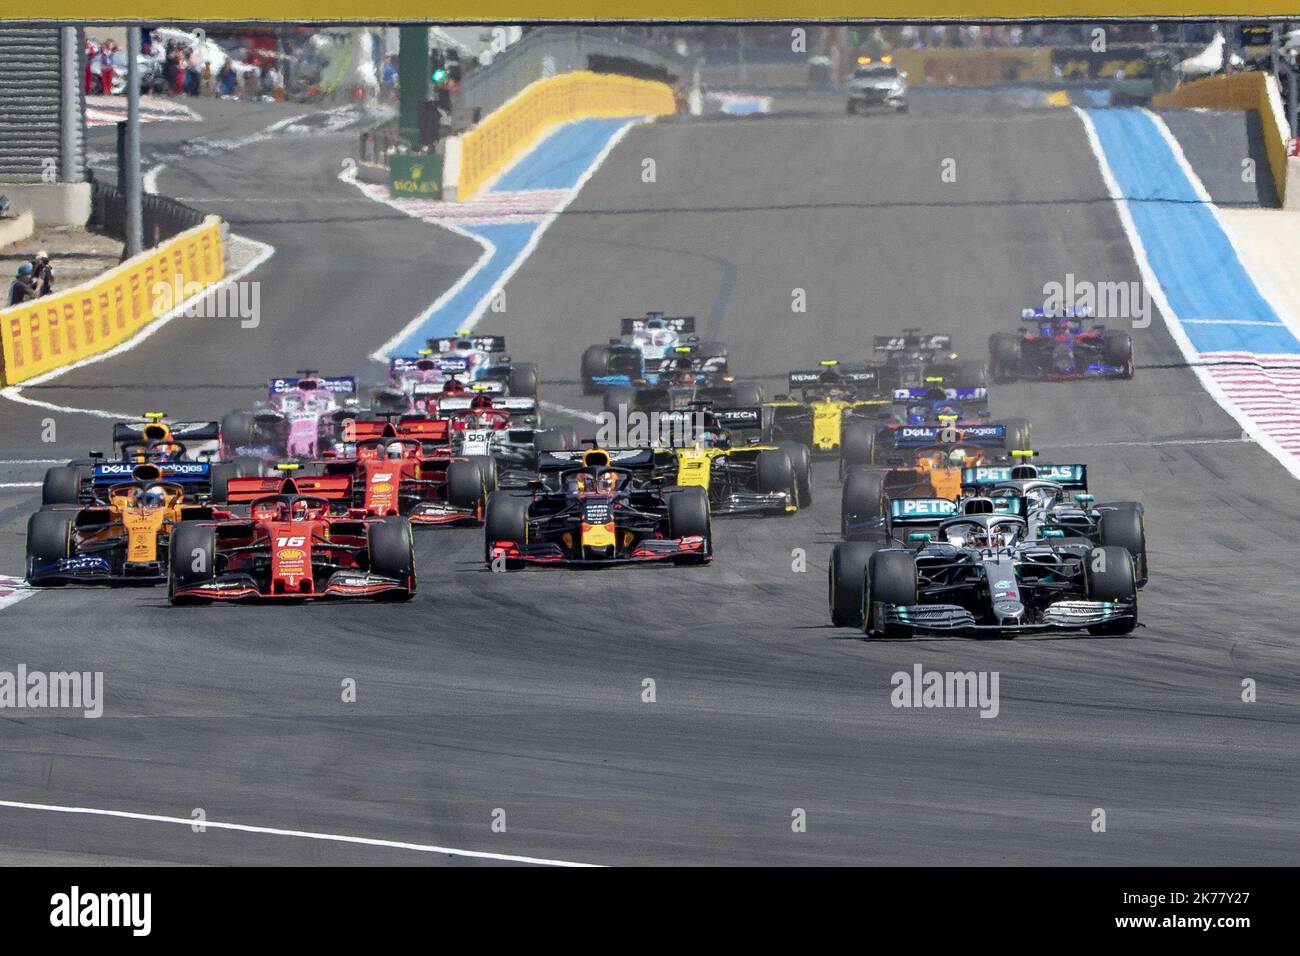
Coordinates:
<point>14,392</point>
<point>1172,322</point>
<point>301,834</point>
<point>571,412</point>
<point>20,484</point>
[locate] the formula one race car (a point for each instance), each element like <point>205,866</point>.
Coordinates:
<point>1057,506</point>
<point>598,507</point>
<point>183,451</point>
<point>935,470</point>
<point>971,569</point>
<point>740,478</point>
<point>406,467</point>
<point>504,429</point>
<point>485,361</point>
<point>301,418</point>
<point>830,398</point>
<point>292,546</point>
<point>124,539</point>
<point>895,444</point>
<point>913,358</point>
<point>685,376</point>
<point>1060,347</point>
<point>425,373</point>
<point>639,353</point>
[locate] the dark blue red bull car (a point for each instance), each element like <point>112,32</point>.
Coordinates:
<point>1060,345</point>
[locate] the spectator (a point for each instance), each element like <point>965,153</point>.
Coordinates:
<point>42,274</point>
<point>390,78</point>
<point>106,62</point>
<point>92,51</point>
<point>22,289</point>
<point>226,80</point>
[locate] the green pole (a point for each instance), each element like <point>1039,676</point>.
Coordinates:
<point>413,77</point>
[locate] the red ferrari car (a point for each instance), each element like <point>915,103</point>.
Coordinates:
<point>292,546</point>
<point>405,466</point>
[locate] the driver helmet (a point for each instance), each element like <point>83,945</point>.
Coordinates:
<point>300,510</point>
<point>153,497</point>
<point>1038,498</point>
<point>480,403</point>
<point>1002,535</point>
<point>656,323</point>
<point>607,482</point>
<point>957,457</point>
<point>394,449</point>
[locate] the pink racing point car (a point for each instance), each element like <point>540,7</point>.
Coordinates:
<point>302,417</point>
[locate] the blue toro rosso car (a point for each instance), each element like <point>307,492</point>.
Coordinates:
<point>1059,345</point>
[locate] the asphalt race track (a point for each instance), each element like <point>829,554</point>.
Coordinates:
<point>524,692</point>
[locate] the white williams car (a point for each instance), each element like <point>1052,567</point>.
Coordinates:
<point>877,84</point>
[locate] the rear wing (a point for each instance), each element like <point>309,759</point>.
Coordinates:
<point>918,436</point>
<point>177,472</point>
<point>180,431</point>
<point>1069,477</point>
<point>860,379</point>
<point>921,394</point>
<point>514,404</point>
<point>400,364</point>
<point>334,384</point>
<point>915,340</point>
<point>333,487</point>
<point>631,458</point>
<point>425,429</point>
<point>1047,315</point>
<point>737,418</point>
<point>477,343</point>
<point>914,511</point>
<point>681,324</point>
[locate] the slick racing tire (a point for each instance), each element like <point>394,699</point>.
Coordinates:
<point>525,381</point>
<point>62,485</point>
<point>222,471</point>
<point>688,514</point>
<point>801,462</point>
<point>847,582</point>
<point>1004,356</point>
<point>860,500</point>
<point>506,520</point>
<point>487,466</point>
<point>551,439</point>
<point>1114,580</point>
<point>1019,436</point>
<point>775,471</point>
<point>618,395</point>
<point>191,559</point>
<point>595,361</point>
<point>746,394</point>
<point>236,430</point>
<point>1125,528</point>
<point>466,485</point>
<point>891,579</point>
<point>49,539</point>
<point>970,373</point>
<point>392,554</point>
<point>1118,350</point>
<point>857,445</point>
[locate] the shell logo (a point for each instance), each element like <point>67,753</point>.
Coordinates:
<point>381,488</point>
<point>290,554</point>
